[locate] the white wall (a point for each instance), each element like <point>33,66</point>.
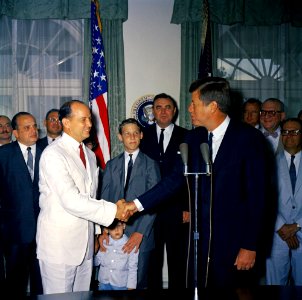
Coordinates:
<point>152,50</point>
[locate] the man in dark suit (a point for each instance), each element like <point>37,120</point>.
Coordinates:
<point>232,201</point>
<point>5,138</point>
<point>144,175</point>
<point>53,128</point>
<point>19,206</point>
<point>169,228</point>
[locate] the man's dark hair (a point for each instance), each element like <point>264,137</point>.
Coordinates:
<point>51,111</point>
<point>300,114</point>
<point>297,120</point>
<point>128,121</point>
<point>14,123</point>
<point>252,101</point>
<point>66,111</point>
<point>174,103</point>
<point>213,89</point>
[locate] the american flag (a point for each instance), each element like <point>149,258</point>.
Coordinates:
<point>98,89</point>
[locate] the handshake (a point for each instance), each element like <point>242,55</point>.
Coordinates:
<point>125,210</point>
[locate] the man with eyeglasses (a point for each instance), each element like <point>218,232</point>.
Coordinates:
<point>271,114</point>
<point>53,128</point>
<point>284,264</point>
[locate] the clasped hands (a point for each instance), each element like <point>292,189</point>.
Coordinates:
<point>125,210</point>
<point>287,232</point>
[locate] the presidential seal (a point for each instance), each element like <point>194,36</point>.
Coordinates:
<point>142,110</point>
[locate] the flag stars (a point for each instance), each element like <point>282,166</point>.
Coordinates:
<point>103,77</point>
<point>98,41</point>
<point>95,74</point>
<point>95,50</point>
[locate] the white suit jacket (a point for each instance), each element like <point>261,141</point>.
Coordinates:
<point>68,207</point>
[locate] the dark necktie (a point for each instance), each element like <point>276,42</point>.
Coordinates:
<point>292,172</point>
<point>273,134</point>
<point>130,165</point>
<point>210,142</point>
<point>30,162</point>
<point>82,155</point>
<point>161,142</point>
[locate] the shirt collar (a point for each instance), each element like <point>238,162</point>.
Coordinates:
<point>24,148</point>
<point>71,141</point>
<point>168,129</point>
<point>134,156</point>
<point>221,129</point>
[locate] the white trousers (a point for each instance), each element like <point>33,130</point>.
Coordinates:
<point>60,278</point>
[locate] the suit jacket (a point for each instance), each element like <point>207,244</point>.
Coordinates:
<point>240,172</point>
<point>288,200</point>
<point>68,207</point>
<point>171,210</point>
<point>42,143</point>
<point>19,195</point>
<point>145,174</point>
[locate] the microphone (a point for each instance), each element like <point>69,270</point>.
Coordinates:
<point>204,148</point>
<point>183,147</point>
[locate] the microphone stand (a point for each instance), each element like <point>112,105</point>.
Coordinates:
<point>196,233</point>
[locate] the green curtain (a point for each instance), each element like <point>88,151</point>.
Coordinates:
<point>229,44</point>
<point>247,12</point>
<point>113,13</point>
<point>62,9</point>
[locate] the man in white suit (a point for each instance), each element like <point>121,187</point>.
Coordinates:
<point>284,263</point>
<point>68,184</point>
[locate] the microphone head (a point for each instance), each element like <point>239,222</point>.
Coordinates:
<point>183,147</point>
<point>204,148</point>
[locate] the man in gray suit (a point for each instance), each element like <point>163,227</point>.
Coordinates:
<point>284,263</point>
<point>144,175</point>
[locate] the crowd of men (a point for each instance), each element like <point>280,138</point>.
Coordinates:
<point>249,213</point>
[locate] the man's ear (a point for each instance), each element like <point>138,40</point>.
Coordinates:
<point>120,137</point>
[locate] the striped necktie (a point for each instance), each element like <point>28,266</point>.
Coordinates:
<point>30,163</point>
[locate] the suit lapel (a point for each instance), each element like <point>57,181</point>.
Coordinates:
<point>284,174</point>
<point>299,177</point>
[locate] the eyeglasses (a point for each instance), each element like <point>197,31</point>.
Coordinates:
<point>269,113</point>
<point>291,132</point>
<point>53,120</point>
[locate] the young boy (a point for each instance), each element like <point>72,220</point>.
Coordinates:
<point>117,270</point>
<point>122,181</point>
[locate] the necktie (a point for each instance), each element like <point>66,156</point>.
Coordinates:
<point>273,134</point>
<point>292,172</point>
<point>30,162</point>
<point>82,155</point>
<point>161,142</point>
<point>210,142</point>
<point>130,165</point>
